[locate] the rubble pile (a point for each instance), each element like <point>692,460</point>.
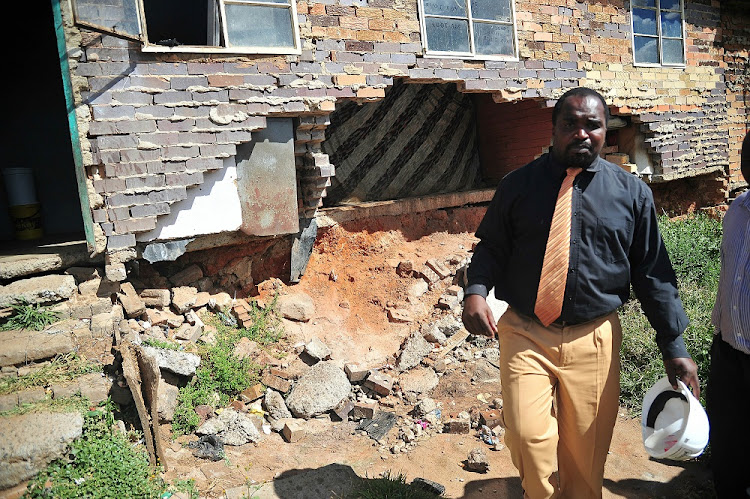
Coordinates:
<point>389,401</point>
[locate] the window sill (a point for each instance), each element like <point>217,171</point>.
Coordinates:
<point>189,49</point>
<point>469,57</point>
<point>657,65</point>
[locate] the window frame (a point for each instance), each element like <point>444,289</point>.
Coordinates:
<point>150,47</point>
<point>472,55</point>
<point>659,37</point>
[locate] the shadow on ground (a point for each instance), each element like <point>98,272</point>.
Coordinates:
<point>693,482</point>
<point>336,481</point>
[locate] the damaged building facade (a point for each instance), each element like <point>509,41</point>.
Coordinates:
<point>239,127</point>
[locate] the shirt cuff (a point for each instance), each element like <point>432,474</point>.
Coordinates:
<point>476,289</point>
<point>673,348</point>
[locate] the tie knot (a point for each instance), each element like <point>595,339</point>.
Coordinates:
<point>572,171</point>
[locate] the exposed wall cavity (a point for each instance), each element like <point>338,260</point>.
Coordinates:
<point>418,140</point>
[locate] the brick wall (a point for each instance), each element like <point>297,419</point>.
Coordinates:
<point>152,124</point>
<point>510,135</point>
<point>735,24</point>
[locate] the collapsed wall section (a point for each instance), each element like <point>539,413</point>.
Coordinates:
<point>154,124</point>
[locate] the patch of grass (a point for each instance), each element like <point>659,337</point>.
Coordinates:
<point>76,403</point>
<point>389,486</point>
<point>29,316</point>
<point>694,245</point>
<point>102,463</point>
<point>164,345</point>
<point>62,368</point>
<point>222,374</point>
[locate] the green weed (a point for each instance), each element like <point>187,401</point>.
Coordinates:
<point>164,345</point>
<point>102,463</point>
<point>76,403</point>
<point>62,368</point>
<point>390,486</point>
<point>25,315</point>
<point>694,245</point>
<point>222,375</point>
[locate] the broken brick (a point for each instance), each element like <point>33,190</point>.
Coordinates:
<point>364,410</point>
<point>355,373</point>
<point>380,383</point>
<point>252,393</point>
<point>277,383</point>
<point>492,418</point>
<point>292,431</point>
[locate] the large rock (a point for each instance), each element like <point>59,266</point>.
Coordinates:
<point>414,349</point>
<point>28,346</point>
<point>42,290</point>
<point>31,441</point>
<point>275,405</point>
<point>234,428</point>
<point>319,390</point>
<point>297,307</point>
<point>418,380</point>
<point>317,349</point>
<point>184,298</point>
<point>156,297</point>
<point>182,363</point>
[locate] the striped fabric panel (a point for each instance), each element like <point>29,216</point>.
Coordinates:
<point>731,314</point>
<point>419,139</point>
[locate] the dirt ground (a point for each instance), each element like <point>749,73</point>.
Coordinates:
<point>352,279</point>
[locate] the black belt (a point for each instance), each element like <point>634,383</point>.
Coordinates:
<point>561,324</point>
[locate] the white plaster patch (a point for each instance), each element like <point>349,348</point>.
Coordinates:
<point>210,208</point>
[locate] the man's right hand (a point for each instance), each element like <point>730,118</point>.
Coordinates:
<point>477,316</point>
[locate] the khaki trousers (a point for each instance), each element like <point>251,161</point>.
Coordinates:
<point>561,388</point>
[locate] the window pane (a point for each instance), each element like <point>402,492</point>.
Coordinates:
<point>644,21</point>
<point>258,26</point>
<point>493,39</point>
<point>456,8</point>
<point>643,3</point>
<point>671,24</point>
<point>672,52</point>
<point>670,4</point>
<point>117,15</point>
<point>646,50</point>
<point>494,10</point>
<point>447,35</point>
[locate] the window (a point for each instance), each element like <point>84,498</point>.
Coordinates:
<point>658,32</point>
<point>231,26</point>
<point>481,29</point>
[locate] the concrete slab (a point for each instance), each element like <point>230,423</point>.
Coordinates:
<point>340,214</point>
<point>18,260</point>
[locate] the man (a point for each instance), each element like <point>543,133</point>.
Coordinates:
<point>564,268</point>
<point>728,397</point>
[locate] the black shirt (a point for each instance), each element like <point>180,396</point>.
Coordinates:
<point>615,241</point>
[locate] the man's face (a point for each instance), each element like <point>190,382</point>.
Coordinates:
<point>580,131</point>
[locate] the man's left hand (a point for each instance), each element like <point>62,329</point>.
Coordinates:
<point>685,369</point>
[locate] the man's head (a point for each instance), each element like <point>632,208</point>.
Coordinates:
<point>745,161</point>
<point>579,122</point>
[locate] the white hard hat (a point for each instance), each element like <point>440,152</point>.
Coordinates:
<point>673,422</point>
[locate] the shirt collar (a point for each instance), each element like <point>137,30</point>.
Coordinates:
<point>559,168</point>
<point>744,200</point>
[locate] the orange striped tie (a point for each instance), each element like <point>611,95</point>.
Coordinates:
<point>549,296</point>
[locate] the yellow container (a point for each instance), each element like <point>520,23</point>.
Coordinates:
<point>27,221</point>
